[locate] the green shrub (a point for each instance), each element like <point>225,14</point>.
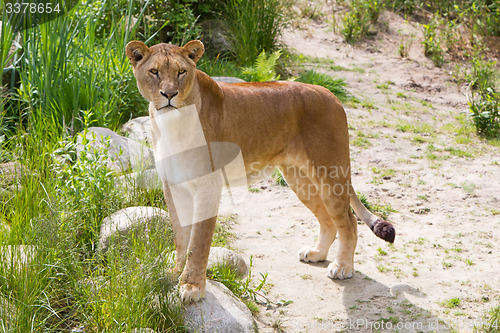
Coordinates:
<point>432,43</point>
<point>485,108</point>
<point>356,23</point>
<point>255,26</point>
<point>263,69</point>
<point>336,86</point>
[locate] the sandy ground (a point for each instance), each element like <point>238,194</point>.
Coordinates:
<point>407,152</point>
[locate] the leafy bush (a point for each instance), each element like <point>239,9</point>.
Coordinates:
<point>336,86</point>
<point>263,69</point>
<point>432,44</point>
<point>486,113</point>
<point>356,23</point>
<point>255,26</point>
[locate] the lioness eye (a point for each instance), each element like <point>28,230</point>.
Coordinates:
<point>182,71</point>
<point>153,71</point>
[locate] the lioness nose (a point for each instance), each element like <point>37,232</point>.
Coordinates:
<point>169,94</point>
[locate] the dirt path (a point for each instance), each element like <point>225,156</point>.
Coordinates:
<point>411,150</point>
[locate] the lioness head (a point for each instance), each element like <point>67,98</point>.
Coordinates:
<point>165,73</point>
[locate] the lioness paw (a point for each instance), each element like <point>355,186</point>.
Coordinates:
<point>341,272</point>
<point>191,293</point>
<point>309,254</point>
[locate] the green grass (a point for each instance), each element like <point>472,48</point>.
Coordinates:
<point>382,210</point>
<point>336,86</point>
<point>451,303</point>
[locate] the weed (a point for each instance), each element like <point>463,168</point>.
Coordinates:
<point>382,210</point>
<point>468,187</point>
<point>492,324</point>
<point>336,86</point>
<point>383,269</point>
<point>357,22</point>
<point>485,109</point>
<point>381,252</point>
<point>432,43</point>
<point>451,303</point>
<point>278,177</point>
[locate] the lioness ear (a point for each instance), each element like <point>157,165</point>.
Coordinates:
<point>136,51</point>
<point>194,50</point>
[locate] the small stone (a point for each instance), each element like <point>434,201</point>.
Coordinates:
<point>222,256</point>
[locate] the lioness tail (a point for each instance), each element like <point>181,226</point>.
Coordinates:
<point>380,228</point>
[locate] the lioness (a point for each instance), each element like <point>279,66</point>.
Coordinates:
<point>299,128</point>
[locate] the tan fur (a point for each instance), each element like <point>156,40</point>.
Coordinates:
<point>299,128</point>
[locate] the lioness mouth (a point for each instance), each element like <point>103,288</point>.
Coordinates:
<point>168,107</point>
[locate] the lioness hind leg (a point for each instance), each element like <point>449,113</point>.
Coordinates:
<point>338,207</point>
<point>307,192</point>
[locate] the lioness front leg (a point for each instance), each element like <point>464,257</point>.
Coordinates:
<point>181,234</point>
<point>193,277</point>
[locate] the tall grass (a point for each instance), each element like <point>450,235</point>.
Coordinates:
<point>66,70</point>
<point>52,278</point>
<point>255,26</point>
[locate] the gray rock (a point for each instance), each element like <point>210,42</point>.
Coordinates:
<point>222,256</point>
<point>227,79</point>
<point>126,153</point>
<point>220,311</point>
<point>216,38</point>
<point>139,129</point>
<point>131,222</point>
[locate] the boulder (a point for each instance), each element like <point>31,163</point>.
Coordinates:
<point>131,222</point>
<point>222,256</point>
<point>227,79</point>
<point>216,38</point>
<point>220,311</point>
<point>125,153</point>
<point>139,129</point>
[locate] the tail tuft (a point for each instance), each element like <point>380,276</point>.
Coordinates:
<point>384,230</point>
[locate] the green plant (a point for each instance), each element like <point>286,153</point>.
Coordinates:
<point>67,70</point>
<point>382,210</point>
<point>336,86</point>
<point>485,113</point>
<point>263,69</point>
<point>357,22</point>
<point>278,177</point>
<point>483,73</point>
<point>242,288</point>
<point>451,303</point>
<point>255,26</point>
<point>493,321</point>
<point>432,43</point>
